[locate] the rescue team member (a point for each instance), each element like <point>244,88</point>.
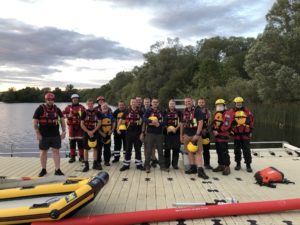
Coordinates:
<point>119,139</point>
<point>133,122</point>
<point>90,123</point>
<point>190,131</point>
<point>100,101</point>
<point>46,120</point>
<point>172,135</point>
<point>154,120</point>
<point>105,131</point>
<point>139,102</point>
<point>205,132</point>
<point>72,113</point>
<point>242,130</point>
<point>221,125</point>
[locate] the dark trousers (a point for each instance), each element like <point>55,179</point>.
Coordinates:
<point>106,152</point>
<point>172,142</point>
<point>206,154</point>
<point>119,140</point>
<point>152,141</point>
<point>133,140</point>
<point>245,146</point>
<point>222,152</point>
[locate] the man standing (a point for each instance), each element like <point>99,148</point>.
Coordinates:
<point>46,120</point>
<point>172,135</point>
<point>133,122</point>
<point>190,131</point>
<point>73,113</point>
<point>242,129</point>
<point>154,120</point>
<point>119,139</point>
<point>205,132</point>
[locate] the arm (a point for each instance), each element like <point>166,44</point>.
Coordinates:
<point>63,127</point>
<point>36,128</point>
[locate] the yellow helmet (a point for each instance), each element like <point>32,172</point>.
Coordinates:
<point>238,100</point>
<point>205,141</point>
<point>171,129</point>
<point>122,127</point>
<point>92,142</point>
<point>191,147</point>
<point>152,118</point>
<point>220,101</point>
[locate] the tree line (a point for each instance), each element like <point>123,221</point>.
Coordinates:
<point>263,69</point>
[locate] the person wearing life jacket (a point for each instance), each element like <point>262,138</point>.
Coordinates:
<point>139,101</point>
<point>100,101</point>
<point>242,132</point>
<point>154,120</point>
<point>133,122</point>
<point>221,125</point>
<point>190,131</point>
<point>90,123</point>
<point>119,139</point>
<point>172,135</point>
<point>205,132</point>
<point>72,113</point>
<point>105,131</point>
<point>46,120</point>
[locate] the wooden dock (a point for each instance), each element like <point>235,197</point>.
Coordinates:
<point>134,190</point>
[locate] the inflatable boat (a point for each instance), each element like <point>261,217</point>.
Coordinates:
<point>44,208</point>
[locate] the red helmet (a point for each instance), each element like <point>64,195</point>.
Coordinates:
<point>49,96</point>
<point>100,98</point>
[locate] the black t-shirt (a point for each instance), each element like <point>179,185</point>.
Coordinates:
<point>192,131</point>
<point>47,130</point>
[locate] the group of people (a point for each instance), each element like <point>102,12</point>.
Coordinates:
<point>143,122</point>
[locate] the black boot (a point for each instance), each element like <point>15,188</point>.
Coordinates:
<point>124,167</point>
<point>140,167</point>
<point>191,170</point>
<point>116,159</point>
<point>72,159</point>
<point>238,166</point>
<point>202,174</point>
<point>43,172</point>
<point>97,166</point>
<point>219,168</point>
<point>86,166</point>
<point>208,166</point>
<point>249,169</point>
<point>175,163</point>
<point>81,159</point>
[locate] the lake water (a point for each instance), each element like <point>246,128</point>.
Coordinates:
<point>16,129</point>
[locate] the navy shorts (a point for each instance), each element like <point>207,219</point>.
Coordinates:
<point>50,142</point>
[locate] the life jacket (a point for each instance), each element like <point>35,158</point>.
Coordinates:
<point>106,124</point>
<point>172,118</point>
<point>91,119</point>
<point>206,120</point>
<point>133,118</point>
<point>222,123</point>
<point>157,113</point>
<point>49,117</point>
<point>74,114</point>
<point>217,120</point>
<point>269,176</point>
<point>243,122</point>
<point>119,117</point>
<point>189,120</point>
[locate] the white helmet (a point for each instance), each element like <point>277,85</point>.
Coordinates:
<point>74,96</point>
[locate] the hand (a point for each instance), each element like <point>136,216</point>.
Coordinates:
<point>118,131</point>
<point>195,138</point>
<point>90,133</point>
<point>142,137</point>
<point>215,133</point>
<point>38,136</point>
<point>63,135</point>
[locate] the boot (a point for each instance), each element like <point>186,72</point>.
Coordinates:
<point>81,159</point>
<point>207,166</point>
<point>175,163</point>
<point>116,159</point>
<point>249,169</point>
<point>238,166</point>
<point>202,174</point>
<point>58,172</point>
<point>124,167</point>
<point>154,163</point>
<point>72,159</point>
<point>191,170</point>
<point>97,166</point>
<point>219,168</point>
<point>86,166</point>
<point>226,171</point>
<point>43,172</point>
<point>140,167</point>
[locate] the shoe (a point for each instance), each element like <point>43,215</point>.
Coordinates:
<point>43,173</point>
<point>107,164</point>
<point>97,166</point>
<point>202,174</point>
<point>226,171</point>
<point>117,159</point>
<point>191,170</point>
<point>219,168</point>
<point>154,163</point>
<point>207,166</point>
<point>140,167</point>
<point>86,167</point>
<point>249,169</point>
<point>175,167</point>
<point>165,169</point>
<point>147,169</point>
<point>81,159</point>
<point>72,159</point>
<point>58,173</point>
<point>238,166</point>
<point>124,167</point>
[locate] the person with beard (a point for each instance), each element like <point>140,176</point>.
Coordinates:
<point>46,120</point>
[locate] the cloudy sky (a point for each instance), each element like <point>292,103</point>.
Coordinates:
<point>52,43</point>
